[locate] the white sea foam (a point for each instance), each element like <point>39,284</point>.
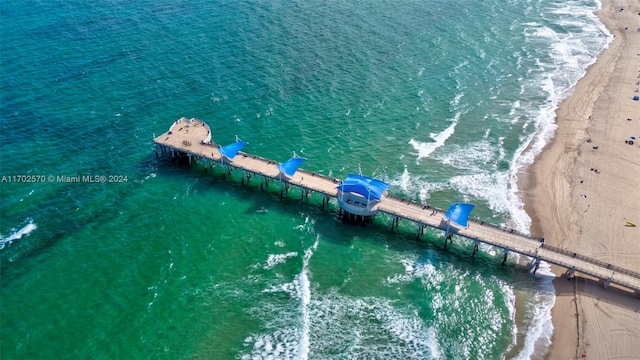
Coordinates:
<point>474,157</point>
<point>425,149</point>
<point>305,300</point>
<point>480,177</point>
<point>510,303</point>
<point>29,194</point>
<point>485,185</point>
<point>347,326</point>
<point>416,270</point>
<point>497,188</point>
<point>288,342</point>
<point>405,178</point>
<point>275,259</point>
<point>375,318</point>
<point>17,235</point>
<point>446,310</point>
<point>540,331</point>
<point>570,55</point>
<point>416,185</point>
<point>571,52</point>
<point>325,324</point>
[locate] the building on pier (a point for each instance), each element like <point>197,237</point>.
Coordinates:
<point>359,195</point>
<point>192,138</point>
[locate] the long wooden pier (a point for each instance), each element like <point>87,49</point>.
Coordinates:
<point>192,138</point>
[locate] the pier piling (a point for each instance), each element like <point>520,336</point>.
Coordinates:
<point>186,138</point>
<point>504,259</point>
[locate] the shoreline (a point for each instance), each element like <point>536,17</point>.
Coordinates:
<point>578,208</point>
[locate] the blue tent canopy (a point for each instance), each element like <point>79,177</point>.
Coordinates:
<point>459,213</point>
<point>366,186</point>
<point>230,151</point>
<point>290,166</point>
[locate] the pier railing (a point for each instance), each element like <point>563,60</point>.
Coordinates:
<point>189,143</point>
<point>592,261</point>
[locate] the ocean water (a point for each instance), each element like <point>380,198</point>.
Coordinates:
<point>447,100</point>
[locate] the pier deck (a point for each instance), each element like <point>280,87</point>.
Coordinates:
<point>192,137</point>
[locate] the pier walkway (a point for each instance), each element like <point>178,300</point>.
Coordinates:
<point>192,138</point>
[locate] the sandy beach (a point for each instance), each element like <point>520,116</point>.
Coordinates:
<point>584,188</point>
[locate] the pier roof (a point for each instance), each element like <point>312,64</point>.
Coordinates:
<point>290,166</point>
<point>230,151</point>
<point>459,213</point>
<point>366,186</point>
<point>192,137</point>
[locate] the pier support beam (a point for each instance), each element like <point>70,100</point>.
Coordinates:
<point>571,272</point>
<point>476,242</point>
<point>537,265</point>
<point>448,238</point>
<point>395,222</point>
<point>325,201</point>
<point>504,259</point>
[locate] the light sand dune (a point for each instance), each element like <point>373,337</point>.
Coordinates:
<point>583,189</point>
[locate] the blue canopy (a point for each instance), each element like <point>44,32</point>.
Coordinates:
<point>459,213</point>
<point>291,166</point>
<point>366,186</point>
<point>230,151</point>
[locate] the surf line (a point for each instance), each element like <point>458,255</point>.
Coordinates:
<point>305,299</point>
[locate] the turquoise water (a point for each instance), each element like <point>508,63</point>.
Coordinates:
<point>449,99</point>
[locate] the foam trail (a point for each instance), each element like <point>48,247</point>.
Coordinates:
<point>541,329</point>
<point>275,259</point>
<point>425,149</point>
<point>405,180</point>
<point>571,57</point>
<point>25,231</point>
<point>413,185</point>
<point>305,300</point>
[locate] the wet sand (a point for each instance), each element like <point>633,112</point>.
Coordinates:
<point>585,186</point>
